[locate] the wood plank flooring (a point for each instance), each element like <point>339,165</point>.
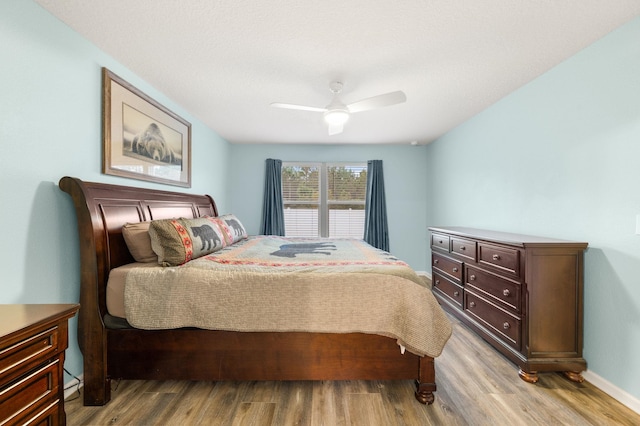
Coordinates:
<point>476,386</point>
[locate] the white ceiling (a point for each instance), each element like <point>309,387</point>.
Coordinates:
<point>226,61</point>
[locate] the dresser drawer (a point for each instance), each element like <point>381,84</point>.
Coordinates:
<point>448,288</point>
<point>464,247</point>
<point>500,289</point>
<point>505,258</point>
<point>30,393</point>
<point>20,356</point>
<point>501,323</point>
<point>450,267</point>
<point>440,242</point>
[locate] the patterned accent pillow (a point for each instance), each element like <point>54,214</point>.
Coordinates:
<point>234,228</point>
<point>177,241</point>
<point>225,232</point>
<point>136,235</point>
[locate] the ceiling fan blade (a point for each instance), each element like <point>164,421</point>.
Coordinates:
<point>299,107</point>
<point>335,129</point>
<point>379,101</point>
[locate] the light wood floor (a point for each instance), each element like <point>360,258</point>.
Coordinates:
<point>476,386</point>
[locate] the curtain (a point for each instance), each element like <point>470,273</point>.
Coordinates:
<point>376,230</point>
<point>272,207</point>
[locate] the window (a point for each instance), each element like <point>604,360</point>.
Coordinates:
<point>324,199</point>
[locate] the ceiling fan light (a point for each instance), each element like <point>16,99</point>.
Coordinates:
<point>336,117</point>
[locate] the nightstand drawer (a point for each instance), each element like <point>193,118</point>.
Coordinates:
<point>15,359</point>
<point>45,415</point>
<point>448,288</point>
<point>30,393</point>
<point>33,339</point>
<point>506,259</point>
<point>498,288</point>
<point>501,323</point>
<point>450,267</point>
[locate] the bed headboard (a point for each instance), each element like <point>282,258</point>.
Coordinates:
<point>101,210</point>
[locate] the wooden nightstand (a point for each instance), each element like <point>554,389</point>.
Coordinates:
<point>33,339</point>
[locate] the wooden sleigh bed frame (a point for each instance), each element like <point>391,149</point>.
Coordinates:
<point>196,354</point>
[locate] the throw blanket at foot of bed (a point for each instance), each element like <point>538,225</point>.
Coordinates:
<point>291,284</point>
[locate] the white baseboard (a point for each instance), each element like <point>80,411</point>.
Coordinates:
<point>72,386</point>
<point>425,277</point>
<point>615,392</point>
<point>424,273</point>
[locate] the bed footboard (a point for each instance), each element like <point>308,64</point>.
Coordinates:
<point>194,354</point>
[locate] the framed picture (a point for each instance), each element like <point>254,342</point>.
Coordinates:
<point>141,138</point>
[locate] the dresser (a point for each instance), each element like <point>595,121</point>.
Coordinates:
<point>523,294</point>
<point>33,339</point>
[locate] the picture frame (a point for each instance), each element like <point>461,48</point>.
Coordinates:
<point>141,138</point>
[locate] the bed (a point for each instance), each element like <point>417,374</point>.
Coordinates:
<point>112,350</point>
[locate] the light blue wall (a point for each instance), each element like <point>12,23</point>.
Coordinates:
<point>559,158</point>
<point>50,126</point>
<point>556,158</point>
<point>404,173</point>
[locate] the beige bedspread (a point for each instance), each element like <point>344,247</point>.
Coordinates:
<point>283,284</point>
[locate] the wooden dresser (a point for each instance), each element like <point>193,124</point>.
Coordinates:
<point>522,294</point>
<point>33,339</point>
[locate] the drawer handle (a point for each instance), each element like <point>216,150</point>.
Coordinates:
<point>455,269</point>
<point>496,257</point>
<point>437,282</point>
<point>472,278</point>
<point>435,261</point>
<point>506,292</point>
<point>463,248</point>
<point>456,293</point>
<point>472,304</point>
<point>440,241</point>
<point>506,326</point>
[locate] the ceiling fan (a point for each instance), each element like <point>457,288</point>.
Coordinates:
<point>337,113</point>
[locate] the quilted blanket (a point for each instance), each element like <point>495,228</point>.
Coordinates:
<point>291,284</point>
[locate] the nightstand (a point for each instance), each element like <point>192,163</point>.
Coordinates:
<point>33,339</point>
